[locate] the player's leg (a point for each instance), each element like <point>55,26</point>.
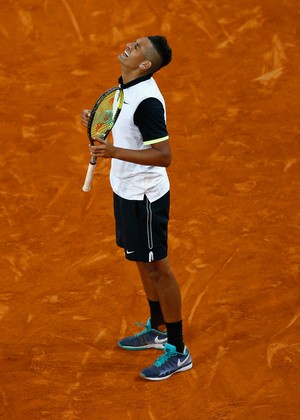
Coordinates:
<point>158,276</point>
<point>160,285</point>
<point>176,357</point>
<point>128,215</point>
<point>156,315</point>
<point>154,335</point>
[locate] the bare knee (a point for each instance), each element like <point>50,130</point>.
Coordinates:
<point>158,271</point>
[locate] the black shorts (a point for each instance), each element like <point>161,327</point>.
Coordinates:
<point>142,227</point>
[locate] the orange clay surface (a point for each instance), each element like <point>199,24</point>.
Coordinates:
<point>67,294</point>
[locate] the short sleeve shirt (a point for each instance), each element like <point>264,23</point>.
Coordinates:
<point>141,123</point>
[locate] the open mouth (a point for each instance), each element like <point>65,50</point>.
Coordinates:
<point>126,54</point>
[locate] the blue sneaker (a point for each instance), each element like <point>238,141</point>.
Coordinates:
<point>169,363</point>
<point>149,338</point>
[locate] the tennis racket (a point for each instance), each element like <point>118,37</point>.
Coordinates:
<point>103,117</point>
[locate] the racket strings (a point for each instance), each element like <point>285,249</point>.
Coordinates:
<point>105,114</point>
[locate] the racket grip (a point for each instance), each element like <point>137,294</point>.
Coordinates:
<point>89,177</point>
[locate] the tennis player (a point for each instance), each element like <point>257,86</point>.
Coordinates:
<point>140,154</point>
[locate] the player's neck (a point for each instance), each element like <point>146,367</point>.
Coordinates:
<point>129,76</point>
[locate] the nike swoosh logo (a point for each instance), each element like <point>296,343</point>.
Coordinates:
<point>160,340</point>
<point>129,252</point>
<point>179,363</point>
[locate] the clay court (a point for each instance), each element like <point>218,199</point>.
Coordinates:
<point>67,293</point>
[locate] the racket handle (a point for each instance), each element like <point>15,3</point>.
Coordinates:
<point>89,177</point>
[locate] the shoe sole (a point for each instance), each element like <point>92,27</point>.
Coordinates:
<point>146,347</point>
<point>183,369</point>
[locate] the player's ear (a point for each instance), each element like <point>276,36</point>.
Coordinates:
<point>146,65</point>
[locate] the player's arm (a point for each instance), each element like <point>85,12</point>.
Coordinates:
<point>158,155</point>
<point>149,118</point>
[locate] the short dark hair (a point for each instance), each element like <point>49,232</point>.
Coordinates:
<point>161,45</point>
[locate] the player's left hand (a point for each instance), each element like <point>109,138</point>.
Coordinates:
<point>85,116</point>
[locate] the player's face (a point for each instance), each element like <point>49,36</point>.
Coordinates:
<point>135,53</point>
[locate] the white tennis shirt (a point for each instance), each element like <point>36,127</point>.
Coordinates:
<point>129,180</point>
